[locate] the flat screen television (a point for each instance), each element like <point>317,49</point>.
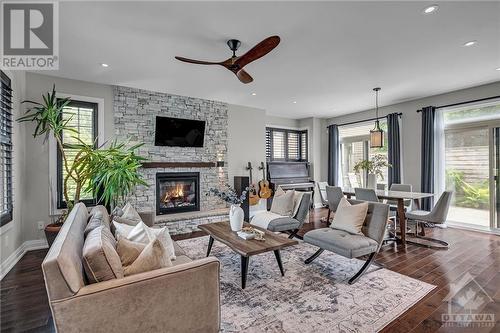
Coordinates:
<point>177,132</point>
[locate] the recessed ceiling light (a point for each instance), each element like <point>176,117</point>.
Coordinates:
<point>254,94</point>
<point>431,9</point>
<point>104,65</point>
<point>470,43</point>
<point>497,69</point>
<point>294,102</point>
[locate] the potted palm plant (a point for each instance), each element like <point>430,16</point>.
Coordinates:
<point>373,168</point>
<point>112,172</point>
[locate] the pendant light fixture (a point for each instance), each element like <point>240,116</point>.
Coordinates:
<point>376,134</point>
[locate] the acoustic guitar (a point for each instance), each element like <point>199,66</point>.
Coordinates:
<point>252,192</point>
<point>264,191</point>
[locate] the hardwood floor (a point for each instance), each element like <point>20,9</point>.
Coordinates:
<point>24,304</point>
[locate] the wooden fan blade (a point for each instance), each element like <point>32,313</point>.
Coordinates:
<point>258,51</point>
<point>199,62</point>
<point>244,76</point>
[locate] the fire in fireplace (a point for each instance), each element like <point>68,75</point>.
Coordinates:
<point>177,192</point>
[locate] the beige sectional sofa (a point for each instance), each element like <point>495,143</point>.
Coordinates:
<point>182,298</point>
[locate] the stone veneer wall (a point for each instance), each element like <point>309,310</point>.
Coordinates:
<point>135,111</point>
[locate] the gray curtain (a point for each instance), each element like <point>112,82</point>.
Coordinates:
<point>393,153</point>
<point>333,155</point>
<point>427,155</point>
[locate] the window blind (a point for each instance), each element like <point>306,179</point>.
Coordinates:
<point>6,195</point>
<point>286,145</point>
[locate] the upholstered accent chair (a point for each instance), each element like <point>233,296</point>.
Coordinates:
<point>322,192</point>
<point>291,225</point>
<point>333,196</point>
<point>353,245</point>
<point>437,215</point>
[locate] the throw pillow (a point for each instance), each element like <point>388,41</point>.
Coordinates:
<point>94,222</point>
<point>130,213</point>
<point>349,217</point>
<point>100,259</point>
<point>143,234</point>
<point>283,202</point>
<point>153,256</point>
<point>123,220</point>
<point>128,250</point>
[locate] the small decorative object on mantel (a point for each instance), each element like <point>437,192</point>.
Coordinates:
<point>374,168</point>
<point>230,196</point>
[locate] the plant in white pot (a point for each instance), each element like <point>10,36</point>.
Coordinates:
<point>230,196</point>
<point>373,168</point>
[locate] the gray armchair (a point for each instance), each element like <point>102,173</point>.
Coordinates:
<point>333,196</point>
<point>353,245</point>
<point>292,225</point>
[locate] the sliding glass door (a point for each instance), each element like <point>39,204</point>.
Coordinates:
<point>495,178</point>
<point>469,162</point>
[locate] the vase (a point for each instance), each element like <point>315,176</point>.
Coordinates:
<point>236,217</point>
<point>372,181</point>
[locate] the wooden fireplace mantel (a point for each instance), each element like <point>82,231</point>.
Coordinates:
<point>152,165</point>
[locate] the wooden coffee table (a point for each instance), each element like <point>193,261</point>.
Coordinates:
<point>222,232</point>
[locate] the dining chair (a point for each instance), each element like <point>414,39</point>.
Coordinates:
<point>393,204</point>
<point>366,194</point>
<point>437,215</point>
<point>333,196</point>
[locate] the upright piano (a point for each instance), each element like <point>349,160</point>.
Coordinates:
<point>290,176</point>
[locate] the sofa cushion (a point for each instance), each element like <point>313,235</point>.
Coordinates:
<point>94,223</point>
<point>178,250</point>
<point>100,259</point>
<point>101,212</point>
<point>153,256</point>
<point>130,213</point>
<point>341,242</point>
<point>182,259</point>
<point>349,217</point>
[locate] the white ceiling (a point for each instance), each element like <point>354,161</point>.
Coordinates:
<point>330,57</point>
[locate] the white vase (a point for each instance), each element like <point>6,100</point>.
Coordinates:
<point>372,181</point>
<point>236,217</point>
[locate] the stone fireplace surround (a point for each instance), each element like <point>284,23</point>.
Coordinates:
<point>135,111</point>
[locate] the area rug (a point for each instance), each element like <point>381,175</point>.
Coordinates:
<point>309,298</point>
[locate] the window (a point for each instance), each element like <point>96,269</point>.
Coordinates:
<point>286,145</point>
<point>5,150</point>
<point>355,147</point>
<point>83,118</point>
<point>467,162</point>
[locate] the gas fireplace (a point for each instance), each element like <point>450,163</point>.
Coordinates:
<point>177,192</point>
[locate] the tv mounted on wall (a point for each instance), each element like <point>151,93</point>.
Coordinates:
<point>177,132</point>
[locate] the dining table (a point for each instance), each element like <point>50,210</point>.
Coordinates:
<point>400,197</point>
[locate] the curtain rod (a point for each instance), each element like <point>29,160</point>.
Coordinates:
<point>456,104</point>
<point>362,121</point>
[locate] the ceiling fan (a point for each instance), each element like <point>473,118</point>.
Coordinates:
<point>235,64</point>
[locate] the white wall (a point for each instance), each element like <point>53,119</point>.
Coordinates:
<point>36,177</point>
<point>273,121</point>
<point>246,141</point>
<point>411,123</point>
<point>11,236</point>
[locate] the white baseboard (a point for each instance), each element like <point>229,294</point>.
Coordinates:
<point>14,258</point>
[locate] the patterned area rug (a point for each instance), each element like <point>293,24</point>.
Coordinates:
<point>309,298</point>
